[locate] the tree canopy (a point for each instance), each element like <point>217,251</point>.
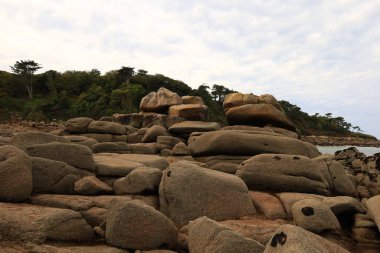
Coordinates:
<point>26,69</point>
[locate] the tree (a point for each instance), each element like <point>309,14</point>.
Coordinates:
<point>126,73</point>
<point>142,72</point>
<point>219,91</point>
<point>26,70</point>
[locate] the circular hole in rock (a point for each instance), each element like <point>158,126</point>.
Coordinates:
<point>307,211</point>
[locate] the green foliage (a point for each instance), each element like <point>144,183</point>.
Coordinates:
<point>89,93</point>
<point>126,99</point>
<point>317,124</point>
<point>92,103</point>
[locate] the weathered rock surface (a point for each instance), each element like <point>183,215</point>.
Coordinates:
<point>53,176</point>
<point>289,198</point>
<point>249,109</point>
<point>153,132</point>
<point>91,186</point>
<point>373,206</point>
<point>82,140</point>
<point>344,204</point>
<point>77,202</point>
<point>259,115</point>
<point>16,181</point>
<point>282,173</point>
<point>206,236</point>
<point>189,111</point>
<point>266,130</point>
<point>192,100</point>
<point>289,238</point>
<point>27,139</point>
<point>111,147</point>
<point>5,140</point>
<point>188,127</point>
<point>23,222</point>
<point>167,142</point>
<point>181,149</point>
<point>109,164</point>
<point>257,229</point>
<point>134,225</point>
<point>337,178</point>
<point>144,148</point>
<point>159,101</point>
<point>76,155</point>
<point>365,230</point>
<point>234,142</point>
<point>270,205</point>
<point>77,125</point>
<point>315,216</point>
<point>105,127</point>
<point>106,137</point>
<point>188,191</point>
<point>140,180</point>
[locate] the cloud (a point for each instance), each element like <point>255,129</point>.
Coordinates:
<point>321,55</point>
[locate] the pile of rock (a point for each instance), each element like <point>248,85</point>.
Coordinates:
<point>191,186</point>
<point>363,170</point>
<point>249,109</point>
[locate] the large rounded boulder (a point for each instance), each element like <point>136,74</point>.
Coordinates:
<point>282,173</point>
<point>188,191</point>
<point>134,225</point>
<point>159,101</point>
<point>247,143</point>
<point>16,181</point>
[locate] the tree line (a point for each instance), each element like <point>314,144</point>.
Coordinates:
<point>53,95</point>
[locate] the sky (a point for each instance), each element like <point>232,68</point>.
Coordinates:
<point>323,56</point>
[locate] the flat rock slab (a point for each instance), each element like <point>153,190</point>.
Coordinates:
<point>188,127</point>
<point>79,156</point>
<point>27,139</point>
<point>243,143</point>
<point>76,202</point>
<point>24,222</point>
<point>110,164</point>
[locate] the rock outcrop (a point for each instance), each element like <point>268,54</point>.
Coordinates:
<point>188,191</point>
<point>159,101</point>
<point>134,225</point>
<point>165,180</point>
<point>16,181</point>
<point>247,143</point>
<point>206,236</point>
<point>248,109</point>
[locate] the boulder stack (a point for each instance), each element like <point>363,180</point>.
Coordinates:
<point>166,180</point>
<point>249,109</point>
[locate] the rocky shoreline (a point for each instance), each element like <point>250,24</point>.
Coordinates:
<point>165,181</point>
<point>341,141</point>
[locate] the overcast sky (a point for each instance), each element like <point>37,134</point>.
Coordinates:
<point>323,56</point>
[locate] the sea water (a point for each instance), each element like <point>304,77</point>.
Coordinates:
<point>332,149</point>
